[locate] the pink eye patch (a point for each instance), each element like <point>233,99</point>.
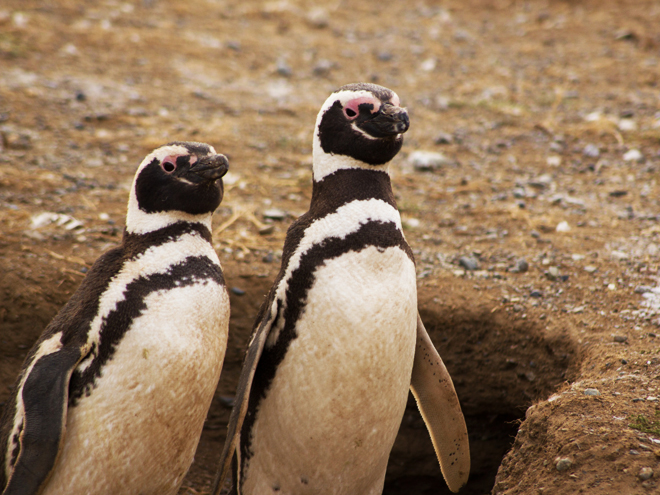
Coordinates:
<point>169,162</point>
<point>352,110</point>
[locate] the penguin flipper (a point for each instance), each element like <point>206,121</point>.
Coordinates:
<point>437,401</point>
<point>242,397</point>
<point>45,395</point>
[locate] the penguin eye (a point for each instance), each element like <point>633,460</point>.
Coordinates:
<point>168,165</point>
<point>350,112</point>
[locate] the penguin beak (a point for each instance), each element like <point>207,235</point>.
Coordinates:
<point>389,121</point>
<point>211,167</point>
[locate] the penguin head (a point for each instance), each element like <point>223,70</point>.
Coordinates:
<point>359,126</point>
<point>181,181</point>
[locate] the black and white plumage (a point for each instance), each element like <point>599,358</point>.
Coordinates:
<point>338,342</point>
<point>113,396</point>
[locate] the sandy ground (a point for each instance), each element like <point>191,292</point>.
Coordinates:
<point>536,232</point>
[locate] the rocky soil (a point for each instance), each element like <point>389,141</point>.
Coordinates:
<point>528,186</point>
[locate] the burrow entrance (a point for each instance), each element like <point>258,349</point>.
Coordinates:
<point>500,366</point>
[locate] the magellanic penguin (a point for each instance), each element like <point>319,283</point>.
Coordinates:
<point>338,342</point>
<point>113,396</point>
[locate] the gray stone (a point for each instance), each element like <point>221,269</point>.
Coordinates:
<point>469,263</point>
<point>633,156</point>
<point>620,339</point>
<point>557,147</point>
<point>643,289</point>
<point>646,473</point>
<point>563,464</point>
<point>521,265</point>
<point>267,229</point>
<point>591,391</point>
<point>318,17</point>
<point>428,160</point>
<point>323,67</point>
<point>552,273</point>
<point>443,138</point>
<point>384,56</point>
<point>275,214</point>
<point>284,69</point>
<point>591,150</point>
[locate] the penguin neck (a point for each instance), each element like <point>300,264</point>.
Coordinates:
<point>139,221</point>
<point>354,184</point>
<point>326,163</point>
<point>135,244</point>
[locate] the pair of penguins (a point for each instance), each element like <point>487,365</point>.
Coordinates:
<point>113,396</point>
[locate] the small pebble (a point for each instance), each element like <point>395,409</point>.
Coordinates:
<point>563,464</point>
<point>267,229</point>
<point>412,223</point>
<point>238,291</point>
<point>552,273</point>
<point>275,214</point>
<point>427,160</point>
<point>620,338</point>
<point>443,138</point>
<point>428,65</point>
<point>645,473</point>
<point>535,234</point>
<point>521,266</point>
<point>624,361</point>
<point>591,150</point>
<point>591,391</point>
<point>633,156</point>
<point>536,293</point>
<point>643,289</point>
<point>318,17</point>
<point>557,148</point>
<point>627,125</point>
<point>384,56</point>
<point>563,227</point>
<point>469,263</point>
<point>590,268</point>
<point>283,69</point>
<point>323,67</point>
<point>553,161</point>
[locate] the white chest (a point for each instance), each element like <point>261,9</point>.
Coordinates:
<point>336,402</point>
<point>138,430</point>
